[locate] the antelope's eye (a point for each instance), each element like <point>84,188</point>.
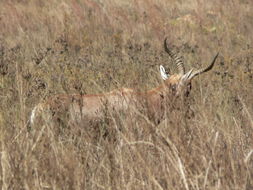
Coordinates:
<point>188,89</point>
<point>173,88</point>
<point>189,86</point>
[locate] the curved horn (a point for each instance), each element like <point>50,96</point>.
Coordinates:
<point>177,59</point>
<point>209,67</point>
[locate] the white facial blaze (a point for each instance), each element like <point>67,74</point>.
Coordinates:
<point>163,73</point>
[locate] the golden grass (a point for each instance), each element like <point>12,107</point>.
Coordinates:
<point>50,47</point>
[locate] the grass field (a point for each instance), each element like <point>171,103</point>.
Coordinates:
<point>89,46</point>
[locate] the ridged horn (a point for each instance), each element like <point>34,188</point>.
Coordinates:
<point>209,67</point>
<point>177,59</point>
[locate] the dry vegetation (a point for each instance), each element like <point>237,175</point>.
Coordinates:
<point>90,46</point>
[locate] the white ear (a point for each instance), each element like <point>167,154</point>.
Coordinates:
<point>187,75</point>
<point>163,73</point>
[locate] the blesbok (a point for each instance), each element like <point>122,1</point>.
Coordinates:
<point>81,108</point>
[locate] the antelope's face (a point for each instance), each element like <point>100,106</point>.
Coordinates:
<point>180,84</point>
<point>176,84</point>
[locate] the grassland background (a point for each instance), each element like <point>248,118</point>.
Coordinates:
<point>56,46</point>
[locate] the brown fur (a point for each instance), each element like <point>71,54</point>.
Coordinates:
<point>92,106</point>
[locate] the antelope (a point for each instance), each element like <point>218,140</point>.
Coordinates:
<point>91,106</point>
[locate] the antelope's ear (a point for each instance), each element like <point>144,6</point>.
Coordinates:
<point>163,73</point>
<point>187,75</point>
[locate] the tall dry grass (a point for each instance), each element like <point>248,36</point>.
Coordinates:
<point>50,47</point>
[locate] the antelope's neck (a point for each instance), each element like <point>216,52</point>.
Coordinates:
<point>157,91</point>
